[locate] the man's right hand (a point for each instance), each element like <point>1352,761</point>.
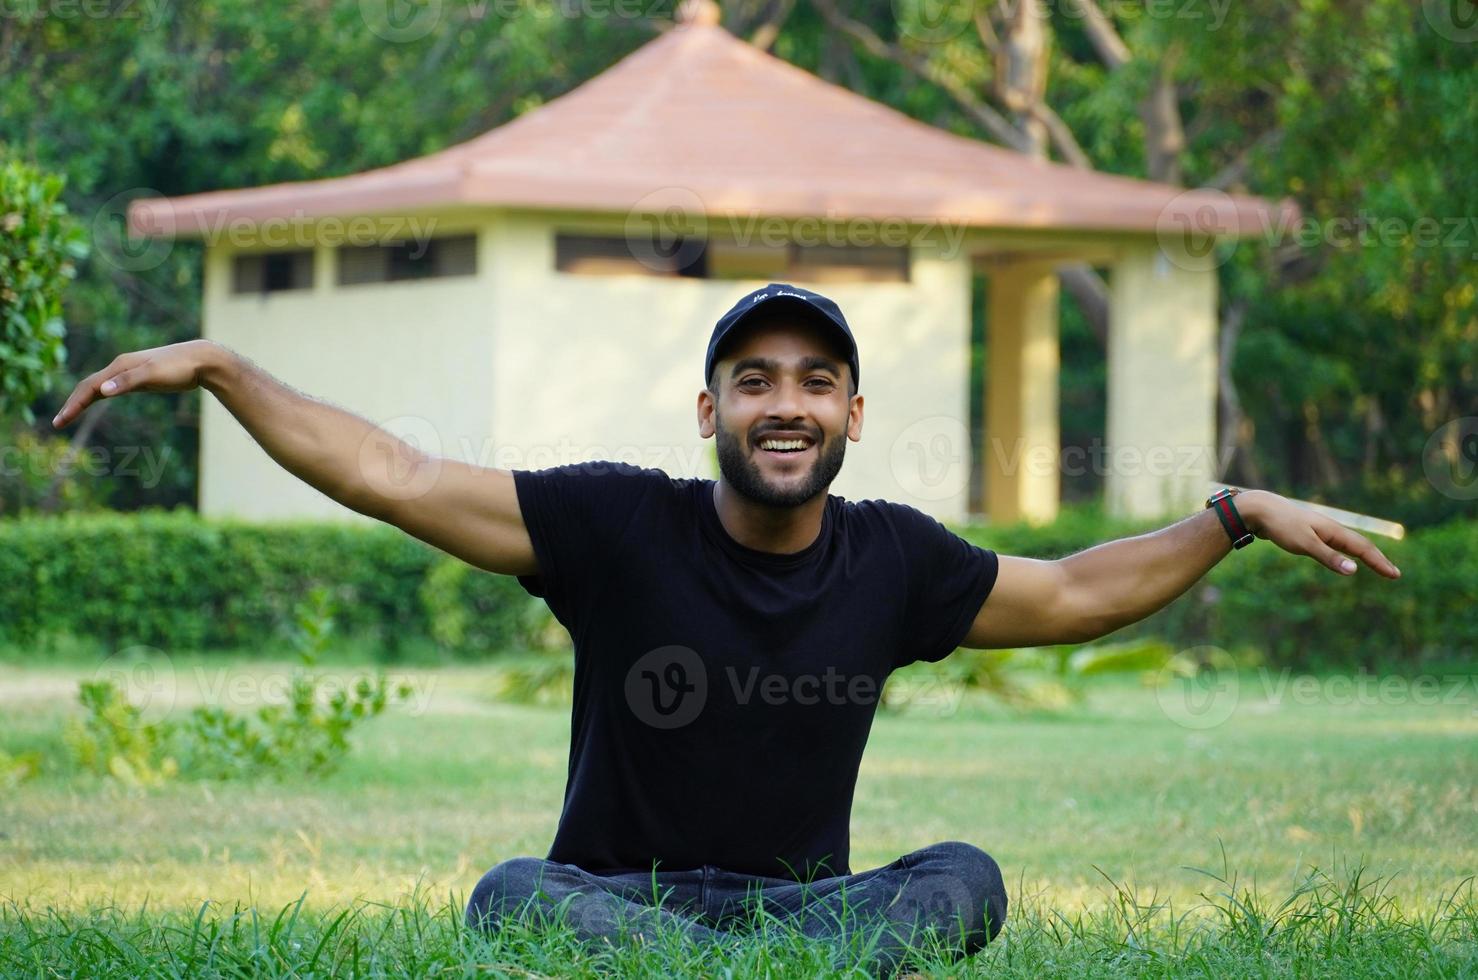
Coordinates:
<point>174,367</point>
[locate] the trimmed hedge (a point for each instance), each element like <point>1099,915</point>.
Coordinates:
<point>174,580</point>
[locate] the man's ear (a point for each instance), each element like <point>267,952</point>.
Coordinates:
<point>854,419</point>
<point>707,404</point>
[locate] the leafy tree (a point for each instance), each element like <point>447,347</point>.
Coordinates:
<point>178,98</point>
<point>1349,340</point>
<point>1342,355</point>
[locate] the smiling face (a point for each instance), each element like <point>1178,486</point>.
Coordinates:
<point>780,410</point>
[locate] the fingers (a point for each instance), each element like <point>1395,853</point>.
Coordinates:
<point>1327,556</point>
<point>83,395</point>
<point>89,389</point>
<point>1352,543</point>
<point>1330,543</point>
<point>122,382</point>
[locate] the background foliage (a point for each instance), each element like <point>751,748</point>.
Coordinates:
<point>1350,349</point>
<point>38,246</point>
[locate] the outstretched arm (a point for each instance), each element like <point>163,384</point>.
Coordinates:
<point>468,511</point>
<point>1094,592</point>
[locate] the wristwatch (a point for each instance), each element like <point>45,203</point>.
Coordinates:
<point>1226,511</point>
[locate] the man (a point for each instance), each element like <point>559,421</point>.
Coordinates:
<point>732,637</point>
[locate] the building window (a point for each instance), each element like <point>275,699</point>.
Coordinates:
<point>719,259</point>
<point>808,263</point>
<point>433,258</point>
<point>613,255</point>
<point>272,272</point>
<point>730,260</point>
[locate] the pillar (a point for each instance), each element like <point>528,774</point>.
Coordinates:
<point>1160,454</point>
<point>1021,451</point>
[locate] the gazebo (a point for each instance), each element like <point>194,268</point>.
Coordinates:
<point>543,293</point>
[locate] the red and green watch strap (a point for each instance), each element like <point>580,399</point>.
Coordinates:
<point>1226,512</point>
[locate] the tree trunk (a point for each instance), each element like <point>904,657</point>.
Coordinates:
<point>1164,138</point>
<point>1326,466</point>
<point>1021,72</point>
<point>1229,432</point>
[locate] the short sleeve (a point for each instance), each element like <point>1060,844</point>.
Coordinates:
<point>949,580</point>
<point>576,516</point>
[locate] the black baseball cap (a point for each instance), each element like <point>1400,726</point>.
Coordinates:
<point>792,299</point>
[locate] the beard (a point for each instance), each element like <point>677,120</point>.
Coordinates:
<point>742,472</point>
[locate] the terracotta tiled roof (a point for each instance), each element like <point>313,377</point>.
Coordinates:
<point>700,118</point>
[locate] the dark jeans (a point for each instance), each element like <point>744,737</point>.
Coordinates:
<point>953,887</point>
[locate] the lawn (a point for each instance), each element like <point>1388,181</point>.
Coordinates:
<point>1118,829</point>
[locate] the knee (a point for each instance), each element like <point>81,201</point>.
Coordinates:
<point>980,887</point>
<point>502,889</point>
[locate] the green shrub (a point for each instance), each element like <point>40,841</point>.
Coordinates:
<point>478,614</point>
<point>308,734</point>
<point>16,769</point>
<point>113,739</point>
<point>177,581</point>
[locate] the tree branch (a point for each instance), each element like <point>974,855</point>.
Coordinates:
<point>763,36</point>
<point>1164,135</point>
<point>1164,139</point>
<point>987,32</point>
<point>1112,50</point>
<point>1062,137</point>
<point>1234,171</point>
<point>995,123</point>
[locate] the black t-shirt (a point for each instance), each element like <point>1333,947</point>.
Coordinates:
<point>723,695</point>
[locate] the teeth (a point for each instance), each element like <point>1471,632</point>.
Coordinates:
<point>783,444</point>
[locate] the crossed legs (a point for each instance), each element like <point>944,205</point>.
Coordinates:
<point>952,889</point>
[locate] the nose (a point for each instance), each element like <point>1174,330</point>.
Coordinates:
<point>785,402</point>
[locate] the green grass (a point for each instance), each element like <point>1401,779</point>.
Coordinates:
<point>1305,836</point>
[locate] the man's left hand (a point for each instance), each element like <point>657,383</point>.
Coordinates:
<point>1301,531</point>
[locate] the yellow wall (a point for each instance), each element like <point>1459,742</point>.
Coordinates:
<point>414,356</point>
<point>611,367</point>
<point>525,367</point>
